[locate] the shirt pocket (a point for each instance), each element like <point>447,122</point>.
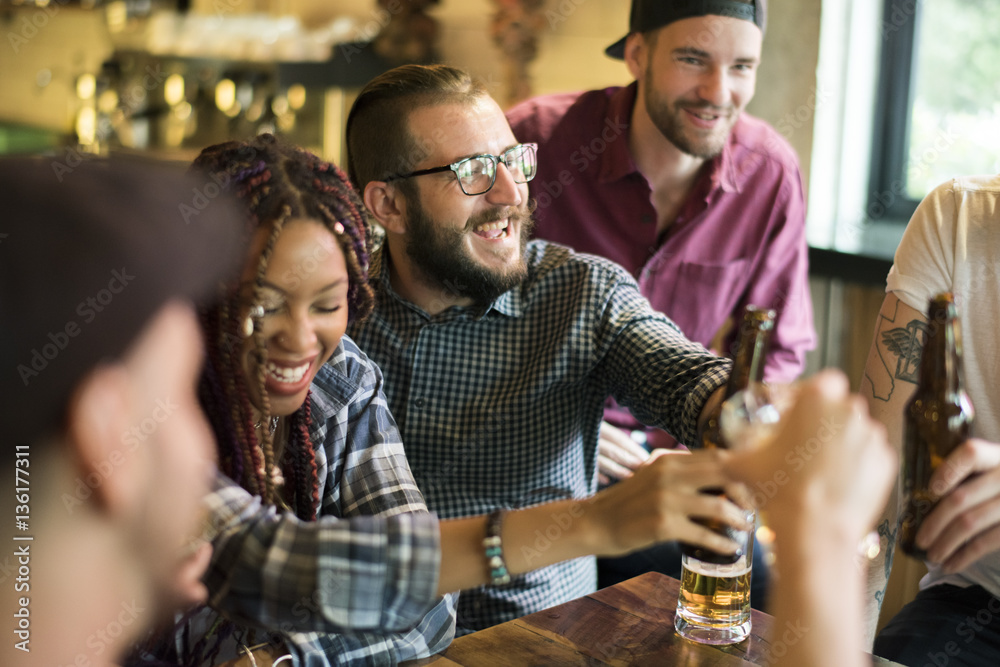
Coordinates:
<point>699,296</point>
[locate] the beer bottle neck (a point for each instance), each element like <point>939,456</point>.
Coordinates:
<point>941,363</point>
<point>748,364</point>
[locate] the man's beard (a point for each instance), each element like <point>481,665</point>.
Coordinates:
<point>667,119</point>
<point>440,257</point>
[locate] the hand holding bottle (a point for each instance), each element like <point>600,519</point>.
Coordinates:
<point>965,524</point>
<point>936,420</point>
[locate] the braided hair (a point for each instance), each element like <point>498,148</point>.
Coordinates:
<point>276,182</point>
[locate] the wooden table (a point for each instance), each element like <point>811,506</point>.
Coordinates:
<point>631,623</point>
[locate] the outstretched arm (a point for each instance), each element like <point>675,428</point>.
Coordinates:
<point>653,505</point>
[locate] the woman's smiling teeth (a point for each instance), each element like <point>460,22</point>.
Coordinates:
<point>492,230</point>
<point>286,374</point>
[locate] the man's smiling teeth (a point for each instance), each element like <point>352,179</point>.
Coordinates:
<point>289,375</point>
<point>705,116</point>
<point>493,230</point>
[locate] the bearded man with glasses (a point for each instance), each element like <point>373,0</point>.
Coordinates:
<point>498,353</point>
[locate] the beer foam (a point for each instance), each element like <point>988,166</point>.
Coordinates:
<point>737,569</point>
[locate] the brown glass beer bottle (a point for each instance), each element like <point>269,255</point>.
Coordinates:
<point>936,420</point>
<point>748,367</point>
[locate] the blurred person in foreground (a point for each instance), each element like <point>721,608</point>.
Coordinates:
<point>106,453</point>
<point>950,245</point>
<point>830,499</point>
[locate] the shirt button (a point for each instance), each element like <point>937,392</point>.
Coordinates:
<point>419,402</point>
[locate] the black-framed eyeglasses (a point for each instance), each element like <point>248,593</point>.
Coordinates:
<point>477,174</point>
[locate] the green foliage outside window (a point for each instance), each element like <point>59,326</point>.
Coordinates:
<point>955,118</point>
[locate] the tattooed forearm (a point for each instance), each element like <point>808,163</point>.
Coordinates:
<point>908,346</point>
<point>899,348</point>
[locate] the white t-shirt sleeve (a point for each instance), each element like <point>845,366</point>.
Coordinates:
<point>924,264</point>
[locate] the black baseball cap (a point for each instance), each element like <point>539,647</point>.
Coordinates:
<point>88,254</point>
<point>652,14</point>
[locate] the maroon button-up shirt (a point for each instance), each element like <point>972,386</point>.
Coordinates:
<point>739,238</point>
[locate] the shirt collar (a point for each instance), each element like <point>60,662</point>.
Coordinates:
<point>510,303</point>
<point>332,390</point>
<point>617,162</point>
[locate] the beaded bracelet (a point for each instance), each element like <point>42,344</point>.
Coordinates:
<point>493,548</point>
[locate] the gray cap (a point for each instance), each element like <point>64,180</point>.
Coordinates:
<point>87,256</point>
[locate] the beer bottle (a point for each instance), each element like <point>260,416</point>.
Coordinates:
<point>748,367</point>
<point>936,420</point>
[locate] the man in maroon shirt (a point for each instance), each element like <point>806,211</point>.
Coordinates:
<point>670,178</point>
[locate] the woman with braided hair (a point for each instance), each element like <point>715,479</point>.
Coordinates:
<point>322,544</point>
<point>302,425</point>
<point>307,229</point>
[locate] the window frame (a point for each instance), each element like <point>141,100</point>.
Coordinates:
<point>887,196</point>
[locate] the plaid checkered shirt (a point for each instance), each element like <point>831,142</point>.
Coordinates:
<point>357,586</point>
<point>500,406</point>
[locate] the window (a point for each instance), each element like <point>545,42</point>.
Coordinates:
<point>938,100</point>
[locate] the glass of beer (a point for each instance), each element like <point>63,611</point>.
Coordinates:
<point>714,603</point>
